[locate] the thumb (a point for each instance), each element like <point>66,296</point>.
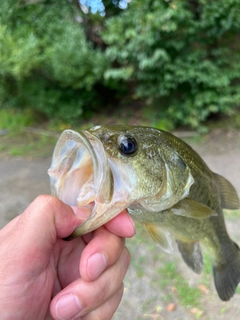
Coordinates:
<point>46,219</point>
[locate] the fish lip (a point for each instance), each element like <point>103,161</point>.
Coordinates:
<point>69,142</point>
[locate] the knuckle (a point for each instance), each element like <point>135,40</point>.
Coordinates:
<point>46,200</point>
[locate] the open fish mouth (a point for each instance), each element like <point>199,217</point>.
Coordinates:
<point>80,175</point>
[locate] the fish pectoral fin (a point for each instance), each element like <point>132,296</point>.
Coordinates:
<point>192,209</point>
<point>229,197</point>
<point>192,255</point>
<point>161,237</point>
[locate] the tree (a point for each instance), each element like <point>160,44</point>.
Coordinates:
<point>45,60</point>
<point>183,56</point>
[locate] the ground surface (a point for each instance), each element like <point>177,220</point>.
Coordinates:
<point>156,284</point>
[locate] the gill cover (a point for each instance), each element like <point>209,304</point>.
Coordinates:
<point>176,183</point>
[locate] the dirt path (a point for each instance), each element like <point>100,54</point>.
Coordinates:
<point>21,181</point>
<point>146,297</point>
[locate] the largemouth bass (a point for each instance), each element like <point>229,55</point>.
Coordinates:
<point>163,183</point>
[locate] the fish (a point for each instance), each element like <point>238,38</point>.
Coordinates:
<point>161,181</point>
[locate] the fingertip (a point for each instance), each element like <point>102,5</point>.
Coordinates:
<point>122,225</point>
<point>51,215</point>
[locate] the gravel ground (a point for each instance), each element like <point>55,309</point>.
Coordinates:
<point>22,180</point>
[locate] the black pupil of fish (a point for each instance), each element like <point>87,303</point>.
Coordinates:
<point>128,145</point>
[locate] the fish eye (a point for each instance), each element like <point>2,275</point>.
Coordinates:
<point>127,145</point>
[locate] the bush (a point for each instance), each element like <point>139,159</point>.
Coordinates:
<point>182,56</point>
<point>179,57</point>
<point>46,62</point>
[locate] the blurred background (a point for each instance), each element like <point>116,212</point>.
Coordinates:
<point>171,64</point>
<point>67,60</point>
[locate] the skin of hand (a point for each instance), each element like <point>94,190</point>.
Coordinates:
<point>45,277</point>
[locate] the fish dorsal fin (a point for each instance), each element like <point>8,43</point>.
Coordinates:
<point>192,209</point>
<point>192,255</point>
<point>161,237</point>
<point>229,197</point>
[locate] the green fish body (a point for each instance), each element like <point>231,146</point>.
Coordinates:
<point>163,183</point>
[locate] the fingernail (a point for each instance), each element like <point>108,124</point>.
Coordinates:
<point>68,306</point>
<point>97,263</point>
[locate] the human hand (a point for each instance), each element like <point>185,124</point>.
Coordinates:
<point>45,277</point>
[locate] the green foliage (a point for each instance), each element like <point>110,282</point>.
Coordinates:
<point>13,119</point>
<point>27,144</point>
<point>182,56</point>
<point>46,63</point>
<point>187,295</point>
